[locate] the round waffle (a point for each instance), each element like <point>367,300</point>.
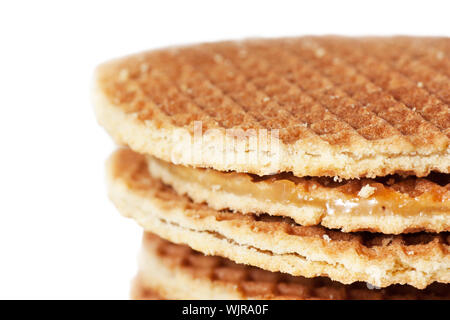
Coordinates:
<point>275,243</point>
<point>174,271</point>
<point>390,205</point>
<point>314,106</point>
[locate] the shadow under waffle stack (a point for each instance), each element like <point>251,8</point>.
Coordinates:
<point>170,271</point>
<point>326,158</point>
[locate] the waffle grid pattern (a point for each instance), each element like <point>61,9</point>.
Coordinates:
<point>340,91</point>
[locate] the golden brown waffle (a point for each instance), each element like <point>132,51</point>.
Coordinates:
<point>275,243</point>
<point>347,107</point>
<point>178,272</point>
<point>390,205</point>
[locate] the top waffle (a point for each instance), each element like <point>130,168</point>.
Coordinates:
<point>315,106</point>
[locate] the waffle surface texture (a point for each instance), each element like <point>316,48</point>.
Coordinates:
<point>342,107</point>
<point>174,271</point>
<point>275,243</point>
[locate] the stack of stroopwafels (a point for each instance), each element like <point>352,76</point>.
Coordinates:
<point>309,168</point>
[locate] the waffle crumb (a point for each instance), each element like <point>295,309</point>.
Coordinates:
<point>366,191</point>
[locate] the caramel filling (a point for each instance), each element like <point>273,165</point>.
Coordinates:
<point>391,195</point>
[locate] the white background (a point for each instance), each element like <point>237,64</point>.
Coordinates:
<point>60,237</point>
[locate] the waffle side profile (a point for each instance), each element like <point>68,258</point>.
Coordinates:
<point>275,243</point>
